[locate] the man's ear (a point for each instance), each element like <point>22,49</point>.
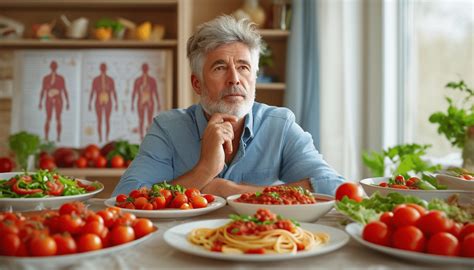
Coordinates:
<point>196,83</point>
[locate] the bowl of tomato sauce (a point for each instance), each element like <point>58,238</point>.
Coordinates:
<point>291,202</point>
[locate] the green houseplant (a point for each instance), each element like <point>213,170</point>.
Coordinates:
<point>457,122</point>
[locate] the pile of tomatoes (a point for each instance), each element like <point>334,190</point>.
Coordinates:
<point>278,195</point>
<point>411,227</point>
<point>162,196</point>
<point>70,230</point>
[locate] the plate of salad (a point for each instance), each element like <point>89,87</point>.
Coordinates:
<point>457,178</point>
<point>425,187</point>
<point>27,191</point>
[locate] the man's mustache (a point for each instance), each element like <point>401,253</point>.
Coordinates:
<point>233,90</point>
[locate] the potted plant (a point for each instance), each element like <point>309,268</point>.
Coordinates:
<point>265,61</point>
<point>457,122</point>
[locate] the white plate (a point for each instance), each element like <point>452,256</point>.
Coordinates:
<point>355,230</point>
<point>64,260</point>
<point>33,204</point>
<point>170,212</point>
<point>371,185</point>
<point>455,182</point>
<point>299,212</point>
<point>177,238</point>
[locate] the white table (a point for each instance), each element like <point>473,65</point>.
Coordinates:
<point>156,254</point>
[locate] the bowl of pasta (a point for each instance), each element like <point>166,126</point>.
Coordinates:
<point>291,202</point>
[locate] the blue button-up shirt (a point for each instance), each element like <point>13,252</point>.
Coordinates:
<point>272,147</point>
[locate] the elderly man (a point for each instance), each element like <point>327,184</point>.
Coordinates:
<point>227,144</point>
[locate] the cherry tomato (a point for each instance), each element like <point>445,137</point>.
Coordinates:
<point>42,245</point>
<point>466,229</point>
<point>47,163</point>
<point>142,227</point>
<point>81,162</point>
<point>117,161</point>
<point>70,223</point>
<point>417,207</point>
<point>168,196</point>
<point>135,194</point>
<point>72,207</point>
<point>191,192</point>
<point>467,246</point>
<point>387,218</point>
<point>9,244</point>
<point>186,206</point>
<point>409,238</point>
<point>101,162</point>
<point>91,152</point>
<point>377,232</point>
<point>121,234</point>
<point>94,227</point>
<point>140,202</point>
<point>159,202</point>
<point>6,164</point>
<point>198,202</point>
<point>443,243</point>
<point>65,244</point>
<point>108,217</point>
<point>456,230</point>
<point>178,200</point>
<point>88,242</point>
<point>209,197</point>
<point>351,190</point>
<point>405,216</point>
<point>121,198</point>
<point>433,222</point>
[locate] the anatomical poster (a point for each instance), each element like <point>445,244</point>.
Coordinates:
<point>75,98</point>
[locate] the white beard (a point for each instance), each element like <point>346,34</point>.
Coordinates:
<point>220,106</point>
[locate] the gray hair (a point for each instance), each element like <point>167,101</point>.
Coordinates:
<point>222,30</point>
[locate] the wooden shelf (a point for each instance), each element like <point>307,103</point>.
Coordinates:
<point>86,43</point>
<point>271,86</point>
<point>87,3</point>
<point>91,172</point>
<point>274,34</point>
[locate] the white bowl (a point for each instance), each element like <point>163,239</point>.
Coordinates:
<point>371,185</point>
<point>33,204</point>
<point>455,182</point>
<point>299,212</point>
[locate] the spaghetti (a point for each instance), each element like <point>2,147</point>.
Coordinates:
<point>263,233</point>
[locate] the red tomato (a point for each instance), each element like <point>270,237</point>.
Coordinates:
<point>121,234</point>
<point>65,244</point>
<point>467,246</point>
<point>117,161</point>
<point>443,243</point>
<point>198,202</point>
<point>70,223</point>
<point>433,222</point>
<point>417,207</point>
<point>121,198</point>
<point>405,216</point>
<point>94,227</point>
<point>159,202</point>
<point>108,217</point>
<point>6,165</point>
<point>178,200</point>
<point>135,193</point>
<point>186,206</point>
<point>42,245</point>
<point>210,198</point>
<point>351,190</point>
<point>456,230</point>
<point>191,192</point>
<point>168,196</point>
<point>101,162</point>
<point>72,207</point>
<point>377,232</point>
<point>140,202</point>
<point>88,242</point>
<point>387,218</point>
<point>9,244</point>
<point>467,229</point>
<point>142,227</point>
<point>409,238</point>
<point>81,162</point>
<point>91,152</point>
<point>47,163</point>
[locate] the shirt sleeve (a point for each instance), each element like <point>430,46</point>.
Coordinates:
<point>153,163</point>
<point>301,160</point>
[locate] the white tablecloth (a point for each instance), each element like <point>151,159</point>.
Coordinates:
<point>156,254</point>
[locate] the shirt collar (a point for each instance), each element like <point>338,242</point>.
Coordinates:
<point>202,123</point>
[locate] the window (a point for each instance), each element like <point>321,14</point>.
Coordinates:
<point>435,46</point>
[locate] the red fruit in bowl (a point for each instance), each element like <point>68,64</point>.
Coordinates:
<point>64,157</point>
<point>6,164</point>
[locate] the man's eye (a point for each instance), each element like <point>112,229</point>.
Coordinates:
<point>244,68</point>
<point>219,68</point>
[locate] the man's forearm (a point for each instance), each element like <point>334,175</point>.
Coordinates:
<point>195,178</point>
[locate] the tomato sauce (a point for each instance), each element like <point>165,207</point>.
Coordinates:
<point>279,195</point>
